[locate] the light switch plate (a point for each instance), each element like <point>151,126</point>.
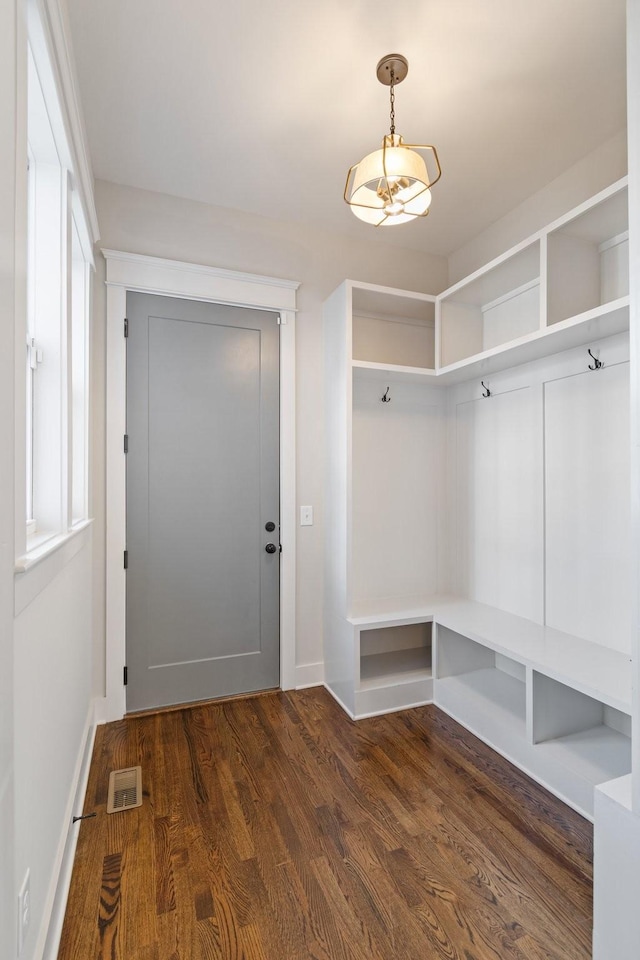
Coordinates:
<point>306,516</point>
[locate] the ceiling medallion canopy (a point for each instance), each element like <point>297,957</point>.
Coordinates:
<point>392,185</point>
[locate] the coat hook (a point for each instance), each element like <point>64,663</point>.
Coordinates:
<point>486,392</point>
<point>596,363</point>
<point>386,398</point>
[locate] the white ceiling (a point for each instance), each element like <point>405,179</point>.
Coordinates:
<point>262,105</point>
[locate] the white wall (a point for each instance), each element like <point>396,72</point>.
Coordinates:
<point>45,647</point>
<point>142,222</point>
<point>8,80</point>
<point>593,173</point>
<point>52,717</point>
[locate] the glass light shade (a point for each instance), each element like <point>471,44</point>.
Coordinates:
<point>390,185</point>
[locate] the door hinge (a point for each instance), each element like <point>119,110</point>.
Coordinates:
<point>126,327</point>
<point>125,678</point>
<point>126,443</point>
<point>126,559</point>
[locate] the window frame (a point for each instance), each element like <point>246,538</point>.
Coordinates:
<point>52,391</point>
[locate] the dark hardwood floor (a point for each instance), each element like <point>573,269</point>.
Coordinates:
<point>274,828</point>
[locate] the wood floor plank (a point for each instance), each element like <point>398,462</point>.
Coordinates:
<point>274,828</point>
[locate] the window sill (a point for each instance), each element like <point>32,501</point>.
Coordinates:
<point>44,559</point>
<point>41,546</point>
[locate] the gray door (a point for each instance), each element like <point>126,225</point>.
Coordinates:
<point>202,491</point>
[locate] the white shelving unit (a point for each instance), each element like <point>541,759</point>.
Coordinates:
<point>392,328</point>
<point>566,286</point>
<point>556,703</point>
<point>383,488</point>
<point>588,258</point>
<point>557,706</point>
<point>496,306</point>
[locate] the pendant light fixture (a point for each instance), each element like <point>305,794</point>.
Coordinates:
<point>392,185</point>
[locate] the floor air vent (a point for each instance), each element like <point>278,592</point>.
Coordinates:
<point>125,789</point>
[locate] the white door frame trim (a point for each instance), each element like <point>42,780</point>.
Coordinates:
<point>172,278</point>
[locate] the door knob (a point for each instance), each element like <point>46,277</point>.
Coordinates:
<point>271,548</point>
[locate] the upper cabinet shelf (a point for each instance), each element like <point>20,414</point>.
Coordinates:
<point>493,307</point>
<point>565,286</point>
<point>392,329</point>
<point>588,258</point>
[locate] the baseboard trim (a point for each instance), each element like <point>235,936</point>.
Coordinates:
<point>309,675</point>
<point>386,710</point>
<point>101,711</point>
<point>339,701</point>
<point>56,902</point>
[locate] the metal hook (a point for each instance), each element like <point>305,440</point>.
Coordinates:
<point>596,363</point>
<point>487,392</point>
<point>386,398</point>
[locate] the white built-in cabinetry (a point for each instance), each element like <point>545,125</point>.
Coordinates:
<point>567,285</point>
<point>478,502</point>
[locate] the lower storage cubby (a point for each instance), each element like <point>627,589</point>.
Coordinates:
<point>393,654</point>
<point>480,688</point>
<point>395,668</point>
<point>577,734</point>
<point>565,739</point>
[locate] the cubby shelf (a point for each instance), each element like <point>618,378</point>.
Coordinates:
<point>595,755</point>
<point>491,693</point>
<point>564,287</point>
<point>392,667</point>
<point>556,705</point>
<point>581,330</point>
<point>590,668</point>
<point>365,369</point>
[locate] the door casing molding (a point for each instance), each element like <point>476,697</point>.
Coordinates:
<point>172,278</point>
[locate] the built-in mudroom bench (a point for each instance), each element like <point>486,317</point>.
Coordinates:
<point>557,706</point>
<point>478,501</point>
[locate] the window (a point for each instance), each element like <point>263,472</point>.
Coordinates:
<point>56,327</point>
<point>80,292</point>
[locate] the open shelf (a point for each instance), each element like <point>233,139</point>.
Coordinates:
<point>588,258</point>
<point>595,755</point>
<point>395,654</point>
<point>579,732</point>
<point>368,370</point>
<point>497,674</point>
<point>395,329</point>
<point>398,666</point>
<point>483,689</point>
<point>495,306</point>
<point>582,330</point>
<point>517,309</point>
<point>490,694</point>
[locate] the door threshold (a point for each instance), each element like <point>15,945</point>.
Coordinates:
<point>173,707</point>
